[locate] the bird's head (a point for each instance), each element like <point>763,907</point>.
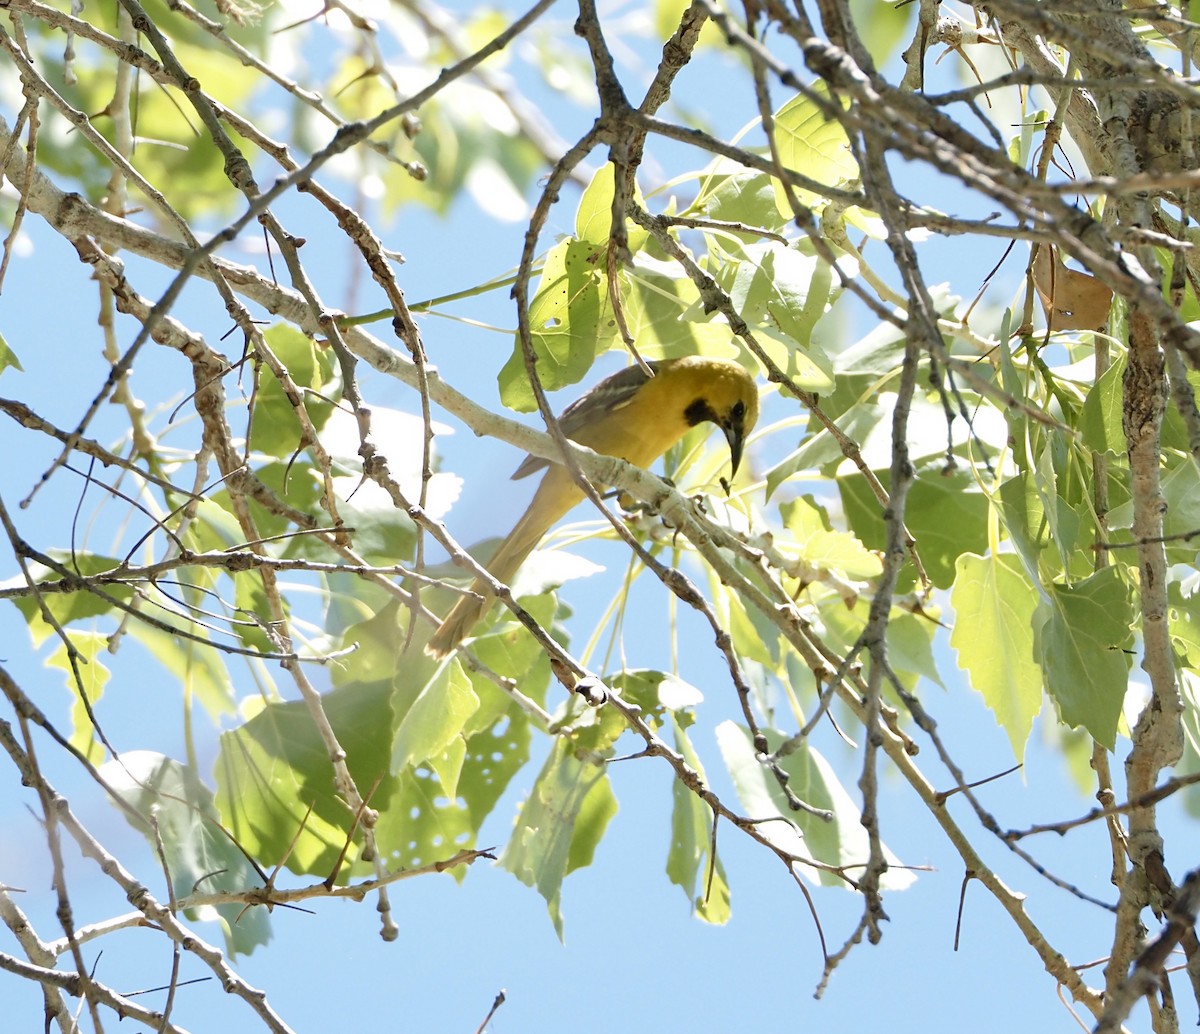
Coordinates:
<point>729,399</point>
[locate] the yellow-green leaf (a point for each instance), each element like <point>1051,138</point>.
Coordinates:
<point>994,604</point>
<point>813,144</point>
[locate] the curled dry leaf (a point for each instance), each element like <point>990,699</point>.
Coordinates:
<point>1070,299</point>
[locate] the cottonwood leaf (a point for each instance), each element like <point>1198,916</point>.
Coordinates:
<point>274,766</point>
<point>200,857</point>
<point>570,324</point>
<point>810,142</point>
<point>429,721</point>
<point>994,604</point>
<point>75,605</point>
<point>1100,419</point>
<point>1082,638</point>
<point>691,864</point>
<point>92,678</point>
<point>840,843</point>
<point>560,823</point>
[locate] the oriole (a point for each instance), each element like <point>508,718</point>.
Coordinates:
<point>634,416</point>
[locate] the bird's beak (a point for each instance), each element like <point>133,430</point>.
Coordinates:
<point>734,435</point>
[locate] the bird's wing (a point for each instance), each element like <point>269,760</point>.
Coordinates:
<point>609,395</point>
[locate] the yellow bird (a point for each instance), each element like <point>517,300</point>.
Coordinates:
<point>631,415</point>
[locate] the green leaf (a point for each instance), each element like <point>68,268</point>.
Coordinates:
<point>821,452</point>
<point>1184,615</point>
<point>909,636</point>
<point>497,739</point>
<point>813,144</point>
<point>570,324</point>
<point>431,720</point>
<point>1062,521</point>
<point>200,857</point>
<point>597,811</point>
<point>820,548</point>
<point>1082,637</point>
<point>216,527</point>
<point>840,842</point>
<point>421,824</point>
<point>76,605</point>
<point>947,514</point>
<point>667,17</point>
<point>94,677</point>
<point>275,765</point>
<point>8,358</point>
<point>656,692</point>
<point>754,637</point>
<point>382,533</point>
<point>1189,763</point>
<point>1021,516</point>
<point>1021,145</point>
<point>785,287</point>
<point>664,312</point>
<point>255,613</point>
<point>882,28</point>
<point>464,145</point>
<point>910,645</point>
<point>689,865</point>
<point>544,846</point>
<point>509,650</point>
<point>994,604</point>
<point>593,219</point>
<point>1100,420</point>
<point>879,353</point>
<point>1010,380</point>
<point>1180,487</point>
<point>295,484</point>
<point>438,807</point>
<point>448,765</point>
<point>364,615</point>
<point>744,197</point>
<point>275,427</point>
<point>193,175</point>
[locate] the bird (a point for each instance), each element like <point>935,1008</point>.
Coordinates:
<point>634,414</point>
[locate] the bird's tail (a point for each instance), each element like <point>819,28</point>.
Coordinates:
<point>503,566</point>
<point>461,619</point>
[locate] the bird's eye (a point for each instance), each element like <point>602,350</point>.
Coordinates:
<point>738,411</point>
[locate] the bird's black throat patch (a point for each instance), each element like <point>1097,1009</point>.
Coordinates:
<point>698,411</point>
